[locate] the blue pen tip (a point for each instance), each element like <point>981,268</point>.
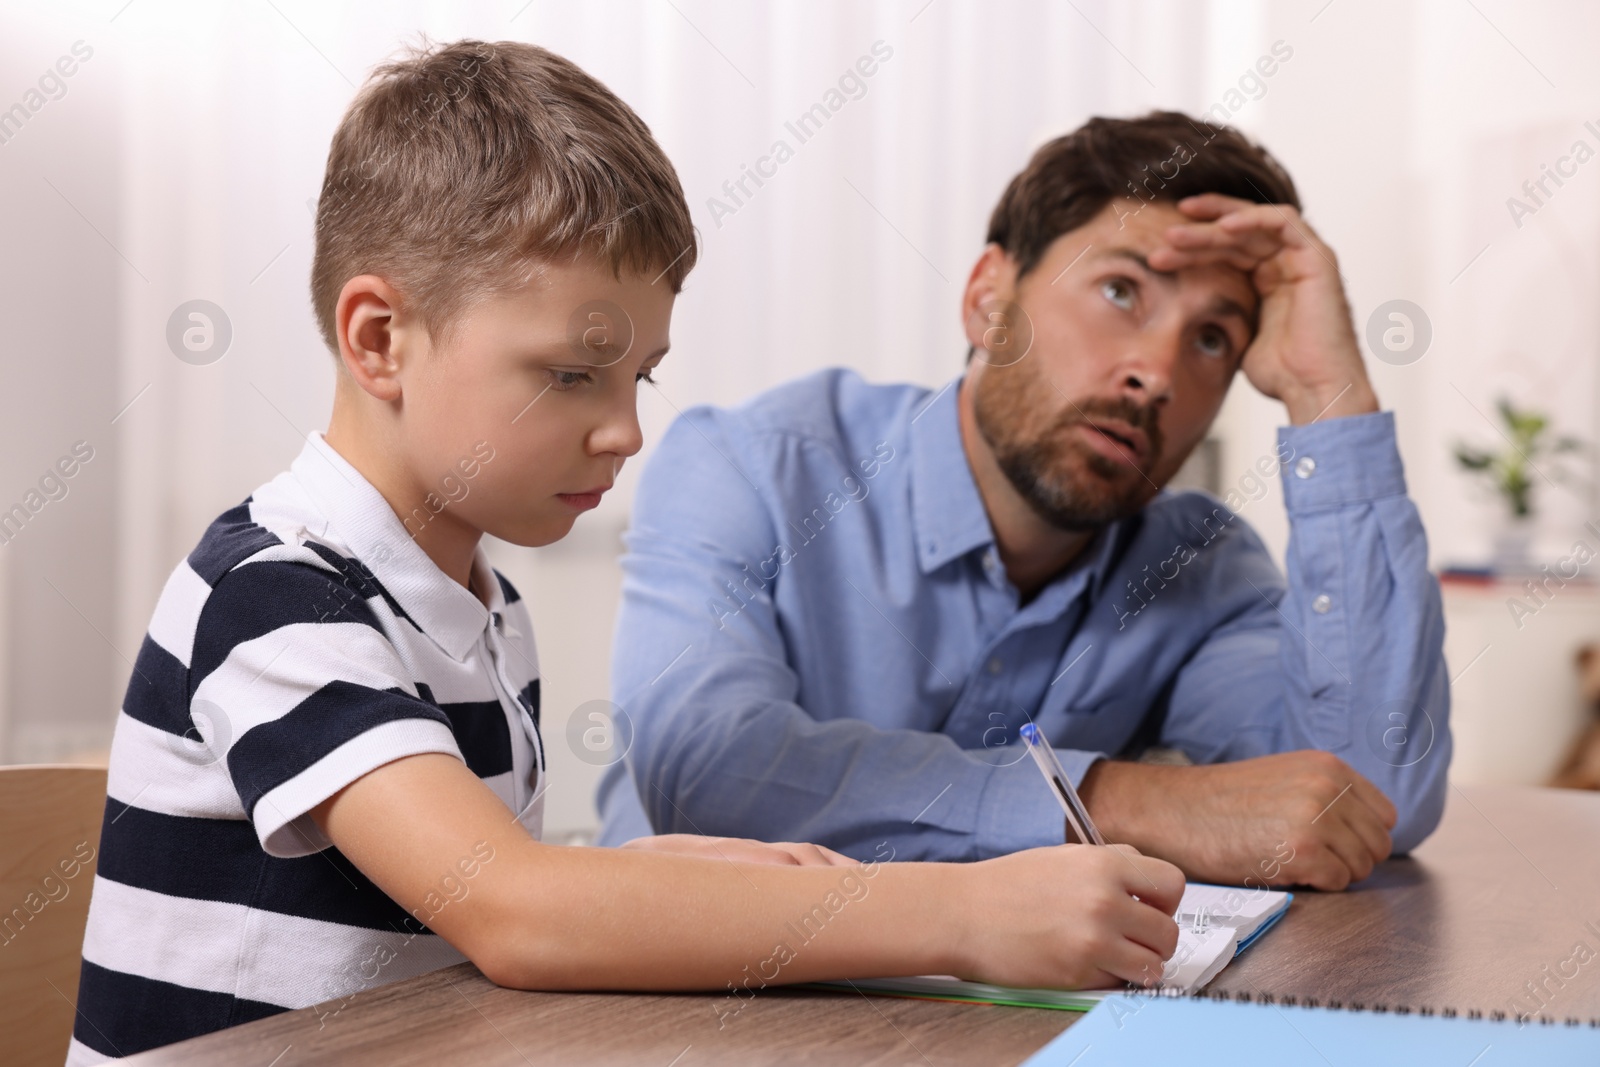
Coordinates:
<point>1030,733</point>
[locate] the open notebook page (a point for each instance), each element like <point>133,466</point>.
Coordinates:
<point>1213,921</point>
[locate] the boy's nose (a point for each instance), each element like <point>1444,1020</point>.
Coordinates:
<point>620,434</point>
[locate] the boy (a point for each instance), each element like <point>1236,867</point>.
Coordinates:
<point>499,245</point>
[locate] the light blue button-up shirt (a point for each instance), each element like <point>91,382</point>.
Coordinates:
<point>818,642</point>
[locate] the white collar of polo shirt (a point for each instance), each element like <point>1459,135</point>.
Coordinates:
<point>452,616</point>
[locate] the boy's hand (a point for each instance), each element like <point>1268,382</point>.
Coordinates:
<point>444,846</point>
<point>1066,917</point>
<point>1294,818</point>
<point>1305,351</point>
<point>743,850</point>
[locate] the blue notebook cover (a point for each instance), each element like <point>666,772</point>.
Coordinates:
<point>1269,924</point>
<point>1130,1028</point>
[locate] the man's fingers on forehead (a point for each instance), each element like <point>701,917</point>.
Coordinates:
<point>1258,242</point>
<point>1283,222</point>
<point>1209,200</point>
<point>1268,219</point>
<point>1199,207</point>
<point>1264,229</point>
<point>1243,264</point>
<point>1213,203</point>
<point>1238,259</point>
<point>1262,241</point>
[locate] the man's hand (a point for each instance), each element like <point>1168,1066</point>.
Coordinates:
<point>1295,818</point>
<point>1305,351</point>
<point>743,850</point>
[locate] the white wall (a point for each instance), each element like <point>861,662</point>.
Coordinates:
<point>1407,126</point>
<point>61,282</point>
<point>197,135</point>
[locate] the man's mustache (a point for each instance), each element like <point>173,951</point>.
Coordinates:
<point>1143,417</point>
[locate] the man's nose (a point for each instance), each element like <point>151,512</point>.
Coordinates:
<point>1146,371</point>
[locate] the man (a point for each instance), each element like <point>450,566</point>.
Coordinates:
<point>843,600</point>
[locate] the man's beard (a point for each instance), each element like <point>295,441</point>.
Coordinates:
<point>1069,484</point>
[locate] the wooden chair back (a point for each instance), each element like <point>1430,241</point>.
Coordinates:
<point>49,841</point>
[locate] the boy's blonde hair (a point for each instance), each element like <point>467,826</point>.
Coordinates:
<point>460,167</point>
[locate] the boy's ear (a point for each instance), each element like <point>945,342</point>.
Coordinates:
<point>371,346</point>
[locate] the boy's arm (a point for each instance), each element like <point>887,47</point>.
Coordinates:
<point>326,742</point>
<point>742,850</point>
<point>536,916</point>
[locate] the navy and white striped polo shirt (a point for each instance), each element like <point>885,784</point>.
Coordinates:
<point>304,642</point>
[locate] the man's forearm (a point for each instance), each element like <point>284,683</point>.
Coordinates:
<point>783,776</point>
<point>1362,646</point>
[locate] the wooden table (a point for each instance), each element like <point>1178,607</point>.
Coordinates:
<point>1500,896</point>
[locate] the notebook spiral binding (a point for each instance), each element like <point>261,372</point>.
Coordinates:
<point>1244,996</point>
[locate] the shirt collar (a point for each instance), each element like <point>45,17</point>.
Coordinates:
<point>1108,547</point>
<point>947,512</point>
<point>357,514</point>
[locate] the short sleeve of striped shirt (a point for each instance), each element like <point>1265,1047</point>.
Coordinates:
<point>306,694</point>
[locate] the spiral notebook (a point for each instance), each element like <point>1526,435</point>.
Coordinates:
<point>1215,924</point>
<point>1207,1029</point>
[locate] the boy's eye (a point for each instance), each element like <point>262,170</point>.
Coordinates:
<point>562,380</point>
<point>1119,291</point>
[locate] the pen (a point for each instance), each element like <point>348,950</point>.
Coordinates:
<point>1050,767</point>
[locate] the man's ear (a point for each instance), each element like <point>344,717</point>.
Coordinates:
<point>990,286</point>
<point>370,346</point>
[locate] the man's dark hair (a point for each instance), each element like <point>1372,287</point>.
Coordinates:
<point>1165,155</point>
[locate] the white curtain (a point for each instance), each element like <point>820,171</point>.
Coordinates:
<point>186,153</point>
<point>853,252</point>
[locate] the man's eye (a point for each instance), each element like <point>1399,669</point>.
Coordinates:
<point>562,380</point>
<point>1214,342</point>
<point>644,376</point>
<point>1119,291</point>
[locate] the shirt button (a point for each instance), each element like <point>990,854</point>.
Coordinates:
<point>1305,467</point>
<point>1321,603</point>
<point>995,666</point>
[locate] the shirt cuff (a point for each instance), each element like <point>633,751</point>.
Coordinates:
<point>1348,460</point>
<point>1018,810</point>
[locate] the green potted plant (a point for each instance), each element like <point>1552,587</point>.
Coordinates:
<point>1530,456</point>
